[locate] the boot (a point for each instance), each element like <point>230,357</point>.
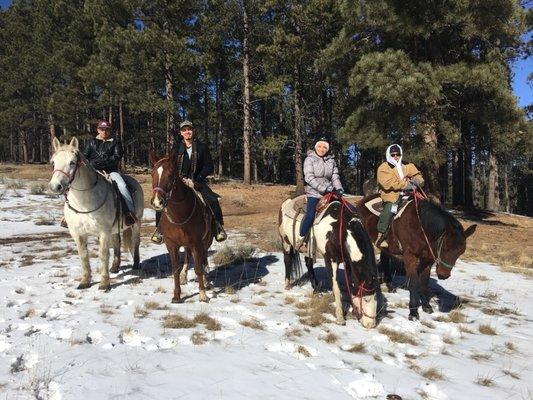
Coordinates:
<point>157,237</point>
<point>63,223</point>
<point>221,233</point>
<point>380,241</point>
<point>130,219</point>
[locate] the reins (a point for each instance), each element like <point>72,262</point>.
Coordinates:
<point>361,287</point>
<point>419,194</point>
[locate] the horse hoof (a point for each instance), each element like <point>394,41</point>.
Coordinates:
<point>176,300</point>
<point>105,288</point>
<point>413,317</point>
<point>84,285</point>
<point>428,309</point>
<point>342,323</point>
<point>204,299</point>
<point>115,270</point>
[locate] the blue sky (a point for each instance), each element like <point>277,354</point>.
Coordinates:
<point>521,68</point>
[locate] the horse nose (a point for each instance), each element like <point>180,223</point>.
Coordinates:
<point>56,188</point>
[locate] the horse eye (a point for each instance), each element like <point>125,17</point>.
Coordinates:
<point>72,163</point>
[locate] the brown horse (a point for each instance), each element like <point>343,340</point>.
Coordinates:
<point>185,220</point>
<point>424,234</point>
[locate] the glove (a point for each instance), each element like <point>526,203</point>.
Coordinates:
<point>188,182</point>
<point>410,187</point>
<point>339,192</point>
<point>329,189</point>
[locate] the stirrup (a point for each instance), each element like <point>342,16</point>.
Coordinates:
<point>157,237</point>
<point>221,233</point>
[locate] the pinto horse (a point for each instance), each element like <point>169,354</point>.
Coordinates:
<point>340,238</point>
<point>423,235</point>
<point>185,221</point>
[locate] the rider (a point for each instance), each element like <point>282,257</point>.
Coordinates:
<point>104,153</point>
<point>194,165</point>
<point>394,177</point>
<point>321,176</point>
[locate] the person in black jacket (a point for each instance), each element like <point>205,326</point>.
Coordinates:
<point>104,153</point>
<point>194,166</point>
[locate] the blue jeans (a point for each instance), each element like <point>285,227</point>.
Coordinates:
<point>309,215</point>
<point>116,177</point>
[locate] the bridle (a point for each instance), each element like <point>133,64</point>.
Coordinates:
<point>361,289</point>
<point>419,194</point>
<point>167,195</point>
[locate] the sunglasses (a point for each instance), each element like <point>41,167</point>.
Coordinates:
<point>395,154</point>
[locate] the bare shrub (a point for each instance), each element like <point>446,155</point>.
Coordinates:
<point>209,322</point>
<point>228,255</point>
<point>432,374</point>
<point>177,321</point>
<point>303,351</point>
<point>37,188</point>
<point>253,323</point>
<point>487,330</point>
<point>198,338</point>
<point>140,312</point>
<point>357,348</point>
<point>330,338</point>
<point>485,381</point>
<point>396,336</point>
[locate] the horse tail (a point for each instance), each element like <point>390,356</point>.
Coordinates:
<point>296,270</point>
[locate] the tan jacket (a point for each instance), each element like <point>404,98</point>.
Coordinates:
<point>389,182</point>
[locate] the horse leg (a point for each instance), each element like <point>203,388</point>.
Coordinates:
<point>173,251</point>
<point>199,268</point>
<point>413,284</point>
<point>115,267</point>
<point>135,243</point>
<point>311,273</point>
<point>81,243</point>
<point>386,271</point>
<point>187,256</point>
<point>333,266</point>
<point>287,259</point>
<point>104,260</point>
<point>425,271</point>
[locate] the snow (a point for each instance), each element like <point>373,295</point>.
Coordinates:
<point>57,342</point>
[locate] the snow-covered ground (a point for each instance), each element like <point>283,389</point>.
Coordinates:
<point>57,342</point>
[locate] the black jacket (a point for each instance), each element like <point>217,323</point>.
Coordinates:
<point>199,165</point>
<point>104,155</point>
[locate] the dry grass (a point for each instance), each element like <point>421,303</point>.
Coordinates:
<point>107,310</point>
<point>15,185</point>
<point>289,300</point>
<point>177,321</point>
<point>26,260</point>
<point>500,311</point>
<point>260,303</point>
<point>312,310</point>
<point>37,188</point>
<point>511,373</point>
<point>396,336</point>
<point>29,313</point>
<point>480,356</point>
<point>44,220</point>
<point>465,329</point>
<point>198,338</point>
<point>294,332</point>
<point>481,278</point>
<point>357,348</point>
<point>160,289</point>
<point>510,346</point>
<point>428,324</point>
<point>377,357</point>
<point>209,322</point>
<point>154,305</point>
<point>140,312</point>
<point>303,351</point>
<point>432,374</point>
<point>253,323</point>
<point>485,381</point>
<point>487,330</point>
<point>448,340</point>
<point>457,317</point>
<point>330,338</point>
<point>235,299</point>
<point>229,290</point>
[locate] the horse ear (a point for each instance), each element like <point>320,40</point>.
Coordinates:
<point>55,144</point>
<point>470,230</point>
<point>153,157</point>
<point>74,143</point>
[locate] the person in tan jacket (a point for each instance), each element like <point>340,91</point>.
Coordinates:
<point>394,178</point>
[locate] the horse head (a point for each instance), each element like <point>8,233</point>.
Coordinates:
<point>364,272</point>
<point>66,161</point>
<point>164,176</point>
<point>451,246</point>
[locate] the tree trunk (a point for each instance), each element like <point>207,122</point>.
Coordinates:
<point>493,198</point>
<point>218,105</point>
<point>206,116</point>
<point>170,103</point>
<point>458,185</point>
<point>298,151</point>
<point>23,145</point>
<point>121,135</point>
<point>246,100</point>
<point>506,189</point>
<point>52,130</point>
<point>429,135</point>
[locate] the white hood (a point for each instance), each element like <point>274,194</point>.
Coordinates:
<point>392,161</point>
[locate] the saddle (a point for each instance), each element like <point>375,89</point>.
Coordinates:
<point>375,206</point>
<point>295,209</point>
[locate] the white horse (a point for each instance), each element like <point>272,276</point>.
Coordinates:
<point>337,243</point>
<point>92,207</point>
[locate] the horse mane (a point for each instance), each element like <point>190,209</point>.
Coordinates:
<point>435,219</point>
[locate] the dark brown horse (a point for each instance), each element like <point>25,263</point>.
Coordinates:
<point>185,220</point>
<point>424,234</point>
